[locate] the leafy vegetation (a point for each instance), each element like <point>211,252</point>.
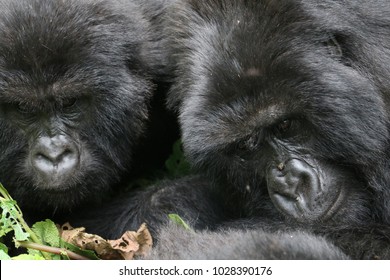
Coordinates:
<point>42,240</point>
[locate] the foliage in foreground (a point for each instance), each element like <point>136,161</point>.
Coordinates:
<point>42,240</point>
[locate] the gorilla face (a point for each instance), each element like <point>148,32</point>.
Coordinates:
<point>276,99</point>
<point>73,98</point>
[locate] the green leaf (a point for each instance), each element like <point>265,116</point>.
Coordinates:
<point>28,257</point>
<point>3,247</point>
<point>179,221</point>
<point>9,220</point>
<point>47,232</point>
<point>3,229</point>
<point>5,222</point>
<point>4,252</point>
<point>86,253</point>
<point>4,193</point>
<point>4,256</point>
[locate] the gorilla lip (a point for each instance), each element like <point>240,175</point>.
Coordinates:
<point>326,215</point>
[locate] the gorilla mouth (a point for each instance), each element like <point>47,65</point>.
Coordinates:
<point>63,190</point>
<point>287,196</point>
<point>56,182</point>
<point>304,210</point>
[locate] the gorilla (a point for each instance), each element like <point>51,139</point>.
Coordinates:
<point>77,78</point>
<point>283,107</point>
<point>292,104</point>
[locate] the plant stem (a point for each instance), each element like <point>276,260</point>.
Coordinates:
<point>52,250</point>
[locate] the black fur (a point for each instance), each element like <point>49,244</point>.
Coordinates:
<point>244,68</point>
<point>273,60</point>
<point>192,198</point>
<point>76,80</point>
<point>273,89</point>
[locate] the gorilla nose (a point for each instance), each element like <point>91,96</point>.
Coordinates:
<point>293,178</point>
<point>55,156</point>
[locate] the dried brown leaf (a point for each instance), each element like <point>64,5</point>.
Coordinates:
<point>131,244</point>
<point>87,241</point>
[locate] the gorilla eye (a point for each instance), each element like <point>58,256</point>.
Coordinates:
<point>288,128</point>
<point>69,103</point>
<point>250,143</point>
<point>22,109</point>
<point>284,126</point>
<point>241,145</point>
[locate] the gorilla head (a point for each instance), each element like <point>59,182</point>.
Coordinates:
<point>287,99</point>
<point>74,89</point>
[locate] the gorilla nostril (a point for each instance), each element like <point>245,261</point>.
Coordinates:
<point>42,156</point>
<point>67,152</point>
